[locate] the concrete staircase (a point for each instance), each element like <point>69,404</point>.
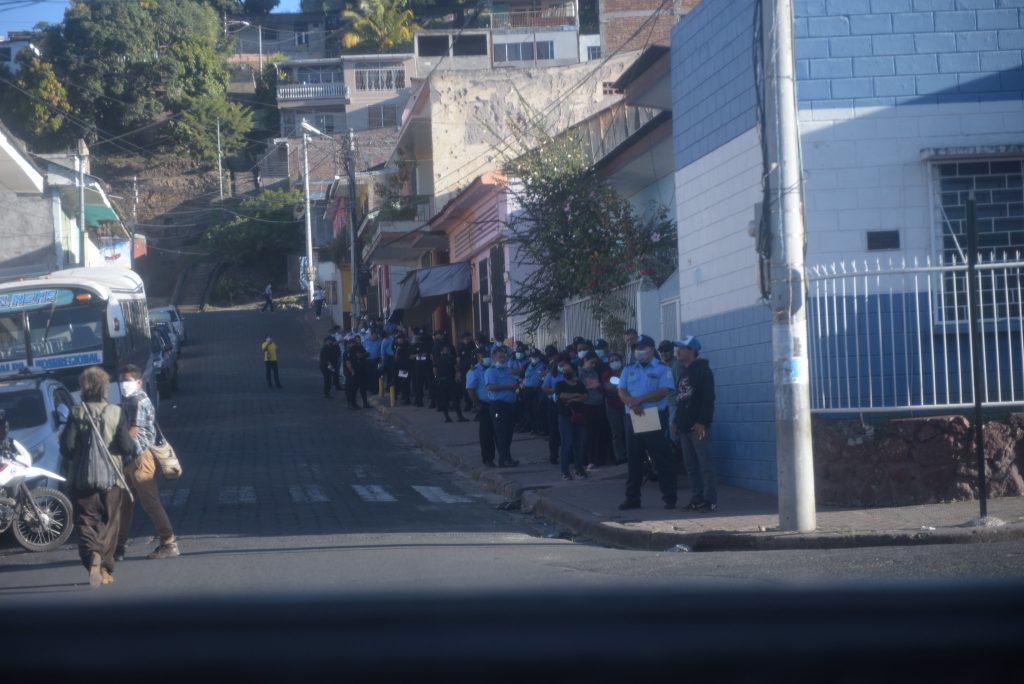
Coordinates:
<point>190,296</point>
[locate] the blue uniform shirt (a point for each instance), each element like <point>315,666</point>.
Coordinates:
<point>550,381</point>
<point>533,374</point>
<point>639,380</point>
<point>500,376</point>
<point>373,348</point>
<point>387,347</point>
<point>474,381</point>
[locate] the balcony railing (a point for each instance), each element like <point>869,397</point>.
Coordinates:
<point>548,17</point>
<point>408,208</point>
<point>312,91</point>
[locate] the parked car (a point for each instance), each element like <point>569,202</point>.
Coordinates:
<point>170,314</point>
<point>172,335</point>
<point>165,362</point>
<point>37,406</point>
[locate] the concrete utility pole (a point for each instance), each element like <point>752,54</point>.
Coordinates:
<point>310,268</point>
<point>135,218</point>
<point>83,152</point>
<point>794,454</point>
<point>220,170</point>
<point>350,159</point>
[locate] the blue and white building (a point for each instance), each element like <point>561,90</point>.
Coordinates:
<point>905,106</point>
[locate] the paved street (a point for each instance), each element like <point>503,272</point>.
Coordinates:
<point>286,491</point>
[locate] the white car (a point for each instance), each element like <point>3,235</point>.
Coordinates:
<point>170,314</point>
<point>37,408</point>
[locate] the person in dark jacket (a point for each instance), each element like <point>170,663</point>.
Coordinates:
<point>422,368</point>
<point>328,363</point>
<point>402,367</point>
<point>467,359</point>
<point>694,413</point>
<point>446,386</point>
<point>97,510</point>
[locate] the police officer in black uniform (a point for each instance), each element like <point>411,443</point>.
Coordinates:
<point>402,367</point>
<point>422,369</point>
<point>467,359</point>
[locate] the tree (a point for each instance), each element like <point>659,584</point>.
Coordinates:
<point>34,102</point>
<point>380,24</point>
<point>259,6</point>
<point>259,231</point>
<point>580,236</point>
<point>191,130</point>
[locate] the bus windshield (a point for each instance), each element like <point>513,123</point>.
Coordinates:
<point>55,331</point>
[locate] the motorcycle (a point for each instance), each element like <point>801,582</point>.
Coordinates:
<point>41,518</point>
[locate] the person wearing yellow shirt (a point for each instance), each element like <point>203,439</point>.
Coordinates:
<point>269,348</point>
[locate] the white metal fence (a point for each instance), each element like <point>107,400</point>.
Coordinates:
<point>895,336</point>
<point>578,316</point>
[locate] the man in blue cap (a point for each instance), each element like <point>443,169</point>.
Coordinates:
<point>501,388</point>
<point>696,409</point>
<point>643,387</point>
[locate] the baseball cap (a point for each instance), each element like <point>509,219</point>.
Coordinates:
<point>688,341</point>
<point>645,341</point>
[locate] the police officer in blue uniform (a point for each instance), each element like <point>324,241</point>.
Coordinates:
<point>533,376</point>
<point>643,388</point>
<point>478,394</point>
<point>501,388</point>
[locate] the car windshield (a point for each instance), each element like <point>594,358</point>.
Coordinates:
<point>25,408</point>
<point>160,316</point>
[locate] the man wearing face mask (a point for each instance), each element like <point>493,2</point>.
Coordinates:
<point>501,393</point>
<point>140,471</point>
<point>551,379</point>
<point>643,388</point>
<point>476,390</point>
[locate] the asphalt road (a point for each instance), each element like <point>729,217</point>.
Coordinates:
<point>286,492</point>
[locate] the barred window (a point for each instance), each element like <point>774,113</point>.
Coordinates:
<point>382,115</point>
<point>374,77</point>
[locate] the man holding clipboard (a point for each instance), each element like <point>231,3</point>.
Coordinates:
<point>643,387</point>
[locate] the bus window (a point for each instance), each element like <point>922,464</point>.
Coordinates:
<point>63,330</point>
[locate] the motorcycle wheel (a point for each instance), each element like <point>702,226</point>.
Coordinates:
<point>50,532</point>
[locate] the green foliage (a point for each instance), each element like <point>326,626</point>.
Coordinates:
<point>268,119</point>
<point>324,6</point>
<point>232,289</point>
<point>190,130</point>
<point>259,6</point>
<point>260,231</point>
<point>586,239</point>
<point>382,25</point>
<point>39,115</point>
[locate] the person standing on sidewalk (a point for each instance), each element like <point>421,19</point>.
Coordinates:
<point>97,506</point>
<point>328,363</point>
<point>268,298</point>
<point>696,394</point>
<point>570,394</point>
<point>402,367</point>
<point>467,359</point>
<point>501,388</point>
<point>533,376</point>
<point>597,436</point>
<point>373,345</point>
<point>318,301</point>
<point>350,364</point>
<point>614,408</point>
<point>475,388</point>
<point>445,384</point>
<point>140,471</point>
<point>554,375</point>
<point>269,348</point>
<point>643,388</point>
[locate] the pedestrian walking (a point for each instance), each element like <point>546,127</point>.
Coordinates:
<point>318,301</point>
<point>94,442</point>
<point>269,348</point>
<point>328,359</point>
<point>614,408</point>
<point>501,388</point>
<point>571,394</point>
<point>696,410</point>
<point>643,388</point>
<point>477,391</point>
<point>445,383</point>
<point>140,468</point>
<point>268,298</point>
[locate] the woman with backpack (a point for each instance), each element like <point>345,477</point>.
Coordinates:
<point>95,442</point>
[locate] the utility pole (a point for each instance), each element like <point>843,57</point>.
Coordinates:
<point>974,310</point>
<point>350,159</point>
<point>83,152</point>
<point>135,217</point>
<point>310,268</point>
<point>220,170</point>
<point>794,454</point>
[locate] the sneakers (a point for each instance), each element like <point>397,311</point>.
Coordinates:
<point>629,505</point>
<point>168,550</point>
<point>119,554</point>
<point>706,507</point>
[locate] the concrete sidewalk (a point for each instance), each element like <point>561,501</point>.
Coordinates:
<point>745,520</point>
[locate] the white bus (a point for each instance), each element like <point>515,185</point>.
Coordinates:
<point>72,319</point>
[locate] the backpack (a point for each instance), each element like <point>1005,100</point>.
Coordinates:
<point>94,467</point>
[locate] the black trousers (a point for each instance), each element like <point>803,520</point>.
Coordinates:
<point>448,397</point>
<point>598,439</point>
<point>98,521</point>
<point>272,371</point>
<point>656,444</point>
<point>554,436</point>
<point>531,407</point>
<point>268,303</point>
<point>486,434</point>
<point>401,384</point>
<point>420,379</point>
<point>328,380</point>
<point>504,427</point>
<point>355,387</point>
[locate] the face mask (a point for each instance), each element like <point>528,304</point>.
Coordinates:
<point>615,365</point>
<point>128,388</point>
<point>486,362</point>
<point>498,364</point>
<point>644,355</point>
<point>581,354</point>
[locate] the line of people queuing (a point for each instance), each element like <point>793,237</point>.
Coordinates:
<point>586,400</point>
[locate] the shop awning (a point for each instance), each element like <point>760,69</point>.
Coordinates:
<point>435,281</point>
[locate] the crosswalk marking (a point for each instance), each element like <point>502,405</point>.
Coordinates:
<point>373,494</point>
<point>174,498</point>
<point>309,493</point>
<point>438,495</point>
<point>237,496</point>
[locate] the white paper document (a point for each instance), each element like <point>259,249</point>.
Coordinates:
<point>649,422</point>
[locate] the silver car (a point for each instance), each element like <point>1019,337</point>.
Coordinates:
<point>37,408</point>
<point>171,315</point>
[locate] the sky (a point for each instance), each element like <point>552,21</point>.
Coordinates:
<point>22,15</point>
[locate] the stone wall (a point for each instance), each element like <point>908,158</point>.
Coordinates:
<point>914,461</point>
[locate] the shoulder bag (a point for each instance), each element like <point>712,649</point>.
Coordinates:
<point>163,454</point>
<point>95,467</point>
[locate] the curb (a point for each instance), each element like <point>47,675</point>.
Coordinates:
<point>617,535</point>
